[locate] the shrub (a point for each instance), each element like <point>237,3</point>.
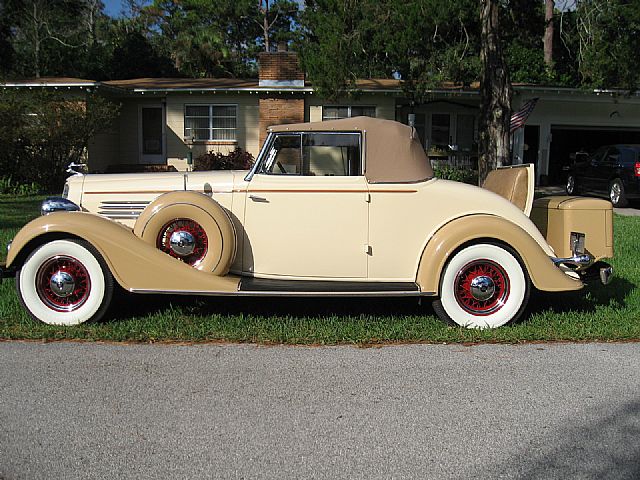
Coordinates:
<point>236,160</point>
<point>42,132</point>
<point>458,174</point>
<point>8,186</point>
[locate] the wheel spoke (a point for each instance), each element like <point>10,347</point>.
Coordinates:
<point>63,283</point>
<point>481,287</point>
<point>184,239</point>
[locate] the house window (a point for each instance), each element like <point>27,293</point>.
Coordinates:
<point>210,122</point>
<point>336,112</point>
<point>440,132</point>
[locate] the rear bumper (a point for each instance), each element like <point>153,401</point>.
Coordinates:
<point>598,272</point>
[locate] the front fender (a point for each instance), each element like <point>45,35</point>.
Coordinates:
<point>135,264</point>
<point>542,271</point>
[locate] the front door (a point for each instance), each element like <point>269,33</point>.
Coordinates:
<point>151,120</point>
<point>307,209</point>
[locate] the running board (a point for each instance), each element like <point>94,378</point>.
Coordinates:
<point>262,287</point>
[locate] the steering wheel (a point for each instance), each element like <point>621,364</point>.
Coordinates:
<point>282,170</point>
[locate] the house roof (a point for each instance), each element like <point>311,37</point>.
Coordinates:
<point>183,83</point>
<point>51,82</point>
<point>380,85</point>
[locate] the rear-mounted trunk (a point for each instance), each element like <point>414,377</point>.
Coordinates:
<point>557,217</point>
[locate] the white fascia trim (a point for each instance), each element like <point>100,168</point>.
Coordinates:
<point>92,84</point>
<point>281,83</point>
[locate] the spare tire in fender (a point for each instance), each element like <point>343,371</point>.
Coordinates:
<point>191,227</point>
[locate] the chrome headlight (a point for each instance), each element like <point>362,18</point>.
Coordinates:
<point>57,204</point>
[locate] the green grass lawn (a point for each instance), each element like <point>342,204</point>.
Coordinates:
<point>595,313</point>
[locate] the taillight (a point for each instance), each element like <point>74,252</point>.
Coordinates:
<point>636,169</point>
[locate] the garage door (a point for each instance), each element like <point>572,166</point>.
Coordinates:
<point>566,140</point>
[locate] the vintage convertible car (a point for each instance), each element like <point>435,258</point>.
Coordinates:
<point>337,208</point>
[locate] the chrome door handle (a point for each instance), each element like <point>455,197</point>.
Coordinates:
<point>256,198</point>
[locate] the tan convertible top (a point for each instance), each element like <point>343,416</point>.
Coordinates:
<point>393,151</point>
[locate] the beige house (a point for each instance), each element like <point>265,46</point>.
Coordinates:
<point>170,121</point>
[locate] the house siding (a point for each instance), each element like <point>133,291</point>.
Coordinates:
<point>385,106</point>
<point>246,123</point>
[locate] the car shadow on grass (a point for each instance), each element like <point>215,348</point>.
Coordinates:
<point>134,305</point>
<point>585,300</point>
<point>128,305</point>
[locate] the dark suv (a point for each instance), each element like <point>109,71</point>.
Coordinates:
<point>613,170</point>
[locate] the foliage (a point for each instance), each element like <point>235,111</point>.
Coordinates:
<point>423,42</point>
<point>9,187</point>
<point>238,159</point>
<point>43,132</point>
<point>457,174</point>
<point>609,35</point>
<point>217,39</point>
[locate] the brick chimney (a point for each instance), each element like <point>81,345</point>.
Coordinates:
<point>279,70</point>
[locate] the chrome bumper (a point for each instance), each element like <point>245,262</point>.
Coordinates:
<point>599,271</point>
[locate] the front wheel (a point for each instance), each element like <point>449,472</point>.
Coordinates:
<point>616,193</point>
<point>65,282</point>
<point>483,286</point>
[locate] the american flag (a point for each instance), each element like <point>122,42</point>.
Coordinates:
<point>519,118</point>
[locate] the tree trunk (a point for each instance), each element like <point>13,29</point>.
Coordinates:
<point>265,24</point>
<point>548,33</point>
<point>495,94</point>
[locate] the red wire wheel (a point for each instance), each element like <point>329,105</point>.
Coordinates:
<point>481,287</point>
<point>184,239</point>
<point>63,283</point>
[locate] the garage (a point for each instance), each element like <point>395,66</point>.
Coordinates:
<point>566,140</point>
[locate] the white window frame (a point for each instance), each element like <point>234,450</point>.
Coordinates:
<point>348,107</point>
<point>211,128</point>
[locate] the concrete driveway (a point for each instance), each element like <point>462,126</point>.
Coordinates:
<point>72,410</point>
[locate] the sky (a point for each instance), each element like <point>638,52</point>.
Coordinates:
<point>113,8</point>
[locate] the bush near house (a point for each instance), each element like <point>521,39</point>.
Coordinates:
<point>42,132</point>
<point>458,174</point>
<point>236,160</point>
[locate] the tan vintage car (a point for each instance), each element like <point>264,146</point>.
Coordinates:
<point>336,208</point>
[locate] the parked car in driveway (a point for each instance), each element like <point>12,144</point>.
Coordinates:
<point>612,171</point>
<point>338,208</point>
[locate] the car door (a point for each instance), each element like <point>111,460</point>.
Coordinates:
<point>607,169</point>
<point>590,177</point>
<point>306,213</point>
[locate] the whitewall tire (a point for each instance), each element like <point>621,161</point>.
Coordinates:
<point>65,282</point>
<point>483,286</point>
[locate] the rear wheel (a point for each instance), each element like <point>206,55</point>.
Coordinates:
<point>65,282</point>
<point>616,193</point>
<point>571,187</point>
<point>483,286</point>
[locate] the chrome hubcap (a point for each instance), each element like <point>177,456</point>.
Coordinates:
<point>62,284</point>
<point>182,243</point>
<point>482,288</point>
<point>184,239</point>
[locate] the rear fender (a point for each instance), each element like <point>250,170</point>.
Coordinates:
<point>476,228</point>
